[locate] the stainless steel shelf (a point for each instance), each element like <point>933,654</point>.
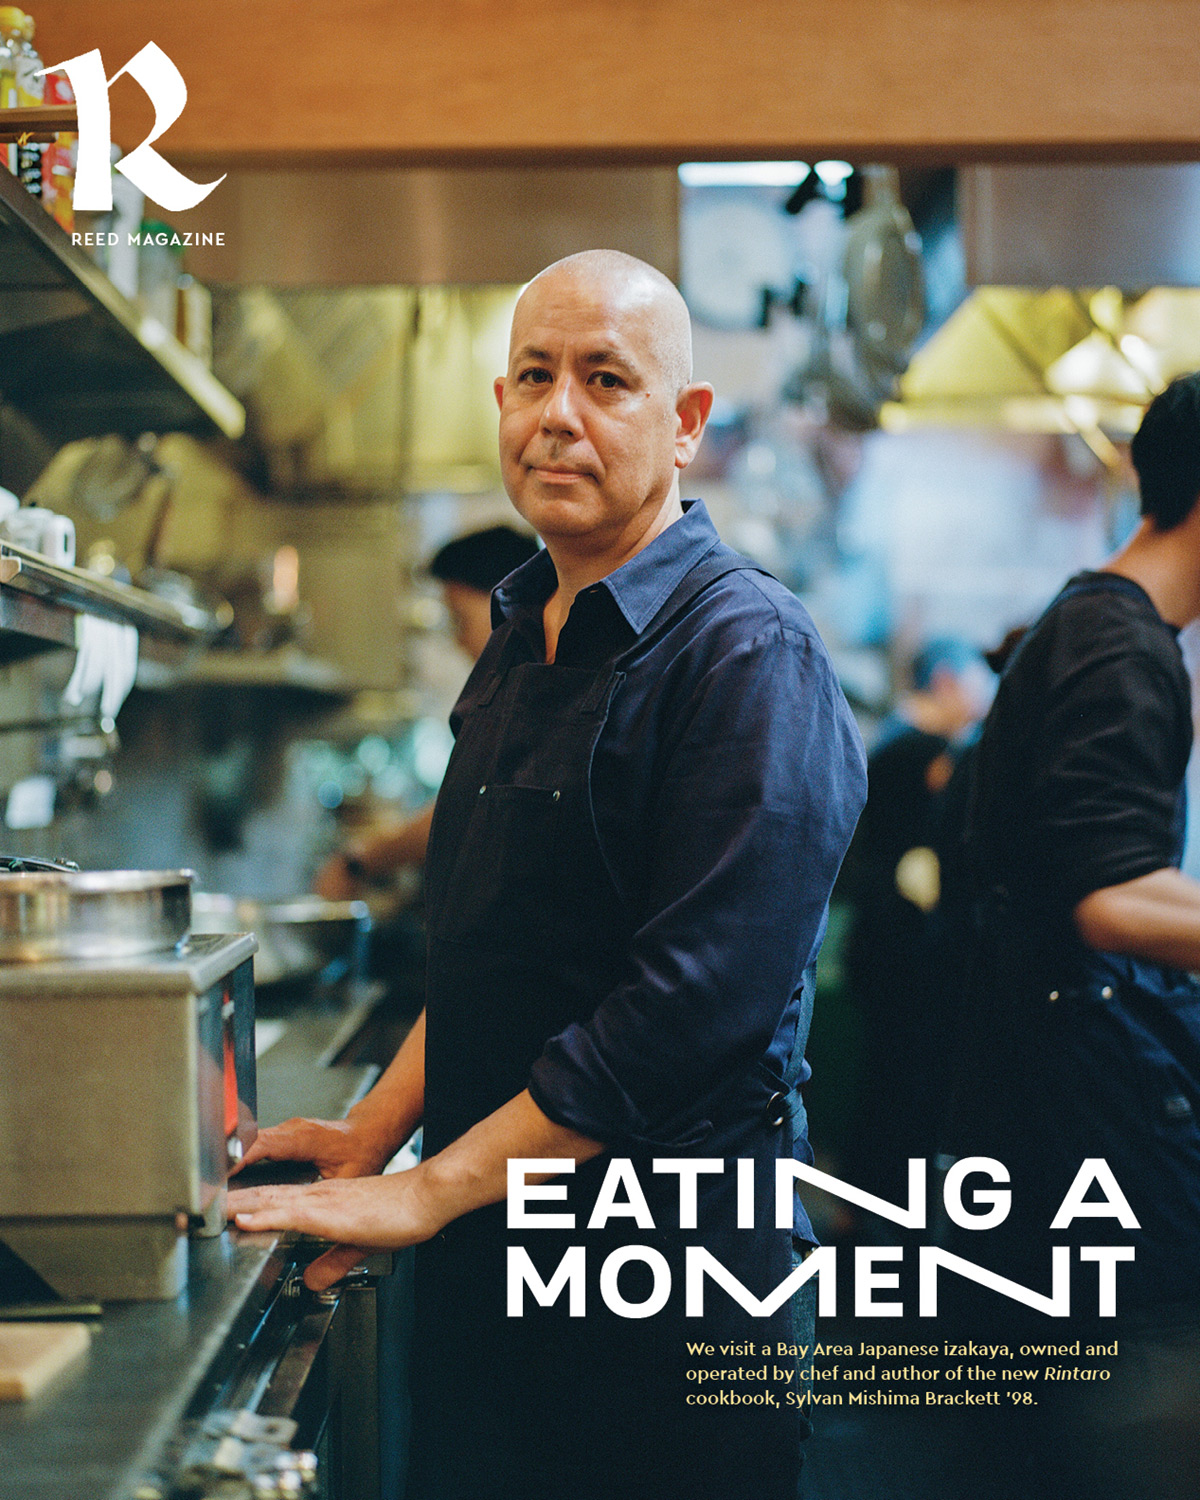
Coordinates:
<point>286,668</point>
<point>39,601</point>
<point>76,356</point>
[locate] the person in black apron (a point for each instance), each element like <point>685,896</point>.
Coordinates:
<point>654,780</point>
<point>1083,1025</point>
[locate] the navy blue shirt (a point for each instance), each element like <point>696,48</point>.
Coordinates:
<point>725,785</point>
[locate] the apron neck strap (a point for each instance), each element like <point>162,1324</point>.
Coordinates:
<point>713,565</point>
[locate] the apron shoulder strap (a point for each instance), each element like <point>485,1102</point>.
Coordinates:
<point>715,564</point>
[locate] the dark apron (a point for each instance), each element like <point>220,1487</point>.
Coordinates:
<point>528,932</point>
<point>1073,1053</point>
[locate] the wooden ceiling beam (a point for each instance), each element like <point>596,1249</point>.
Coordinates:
<point>475,82</point>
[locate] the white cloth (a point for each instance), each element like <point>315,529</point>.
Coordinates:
<point>107,663</point>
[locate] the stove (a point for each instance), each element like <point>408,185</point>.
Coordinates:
<point>127,1093</point>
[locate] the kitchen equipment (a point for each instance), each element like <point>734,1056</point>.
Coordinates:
<point>66,913</point>
<point>43,531</point>
<point>127,1092</point>
<point>297,937</point>
<point>112,474</point>
<point>885,299</point>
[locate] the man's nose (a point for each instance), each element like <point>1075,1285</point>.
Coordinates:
<point>561,411</point>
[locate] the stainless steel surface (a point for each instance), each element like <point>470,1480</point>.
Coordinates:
<point>100,1431</point>
<point>297,938</point>
<point>92,914</point>
<point>127,1259</point>
<point>189,969</point>
<point>426,222</point>
<point>118,1104</point>
<point>78,589</point>
<point>104,1430</point>
<point>1127,225</point>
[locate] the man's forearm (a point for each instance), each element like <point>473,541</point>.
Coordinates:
<point>394,1107</point>
<point>1156,916</point>
<point>473,1171</point>
<point>390,848</point>
<point>406,1208</point>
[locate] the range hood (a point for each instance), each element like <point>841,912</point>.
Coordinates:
<point>359,391</point>
<point>1047,342</point>
<point>1062,360</point>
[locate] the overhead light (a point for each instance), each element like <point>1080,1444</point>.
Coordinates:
<point>743,173</point>
<point>833,173</point>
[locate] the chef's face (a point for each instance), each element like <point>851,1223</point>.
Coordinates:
<point>595,422</point>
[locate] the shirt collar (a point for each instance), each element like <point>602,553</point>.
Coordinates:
<point>639,588</point>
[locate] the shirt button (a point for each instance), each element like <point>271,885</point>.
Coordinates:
<point>775,1112</point>
<point>556,796</point>
<point>482,789</point>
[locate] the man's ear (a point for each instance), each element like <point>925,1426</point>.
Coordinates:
<point>692,408</point>
<point>498,389</point>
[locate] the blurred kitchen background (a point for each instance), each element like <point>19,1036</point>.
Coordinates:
<point>926,381</point>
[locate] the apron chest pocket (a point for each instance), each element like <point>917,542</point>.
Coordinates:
<point>505,869</point>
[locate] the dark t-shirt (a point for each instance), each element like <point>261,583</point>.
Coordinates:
<point>1070,1054</point>
<point>1079,778</point>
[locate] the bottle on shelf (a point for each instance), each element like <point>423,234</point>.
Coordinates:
<point>159,266</point>
<point>31,89</point>
<point>58,158</point>
<point>12,22</point>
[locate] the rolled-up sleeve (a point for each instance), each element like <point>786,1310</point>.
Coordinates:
<point>762,781</point>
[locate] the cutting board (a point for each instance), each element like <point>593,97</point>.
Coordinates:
<point>32,1354</point>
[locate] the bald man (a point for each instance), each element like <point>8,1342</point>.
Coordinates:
<point>654,781</point>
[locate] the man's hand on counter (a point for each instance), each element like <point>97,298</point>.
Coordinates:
<point>373,1131</point>
<point>406,1208</point>
<point>362,1213</point>
<point>337,1148</point>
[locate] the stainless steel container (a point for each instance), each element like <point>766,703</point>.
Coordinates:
<point>297,937</point>
<point>127,1092</point>
<point>92,914</point>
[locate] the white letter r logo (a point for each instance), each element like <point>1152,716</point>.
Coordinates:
<point>144,167</point>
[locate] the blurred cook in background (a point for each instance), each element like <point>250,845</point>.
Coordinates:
<point>468,569</point>
<point>894,876</point>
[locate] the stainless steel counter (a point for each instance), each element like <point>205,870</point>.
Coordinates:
<point>102,1427</point>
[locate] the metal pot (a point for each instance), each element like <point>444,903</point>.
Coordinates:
<point>297,937</point>
<point>56,912</point>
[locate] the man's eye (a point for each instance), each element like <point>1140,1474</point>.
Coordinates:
<point>608,381</point>
<point>535,376</point>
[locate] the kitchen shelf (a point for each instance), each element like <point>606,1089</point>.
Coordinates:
<point>76,357</point>
<point>37,122</point>
<point>39,602</point>
<point>285,668</point>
